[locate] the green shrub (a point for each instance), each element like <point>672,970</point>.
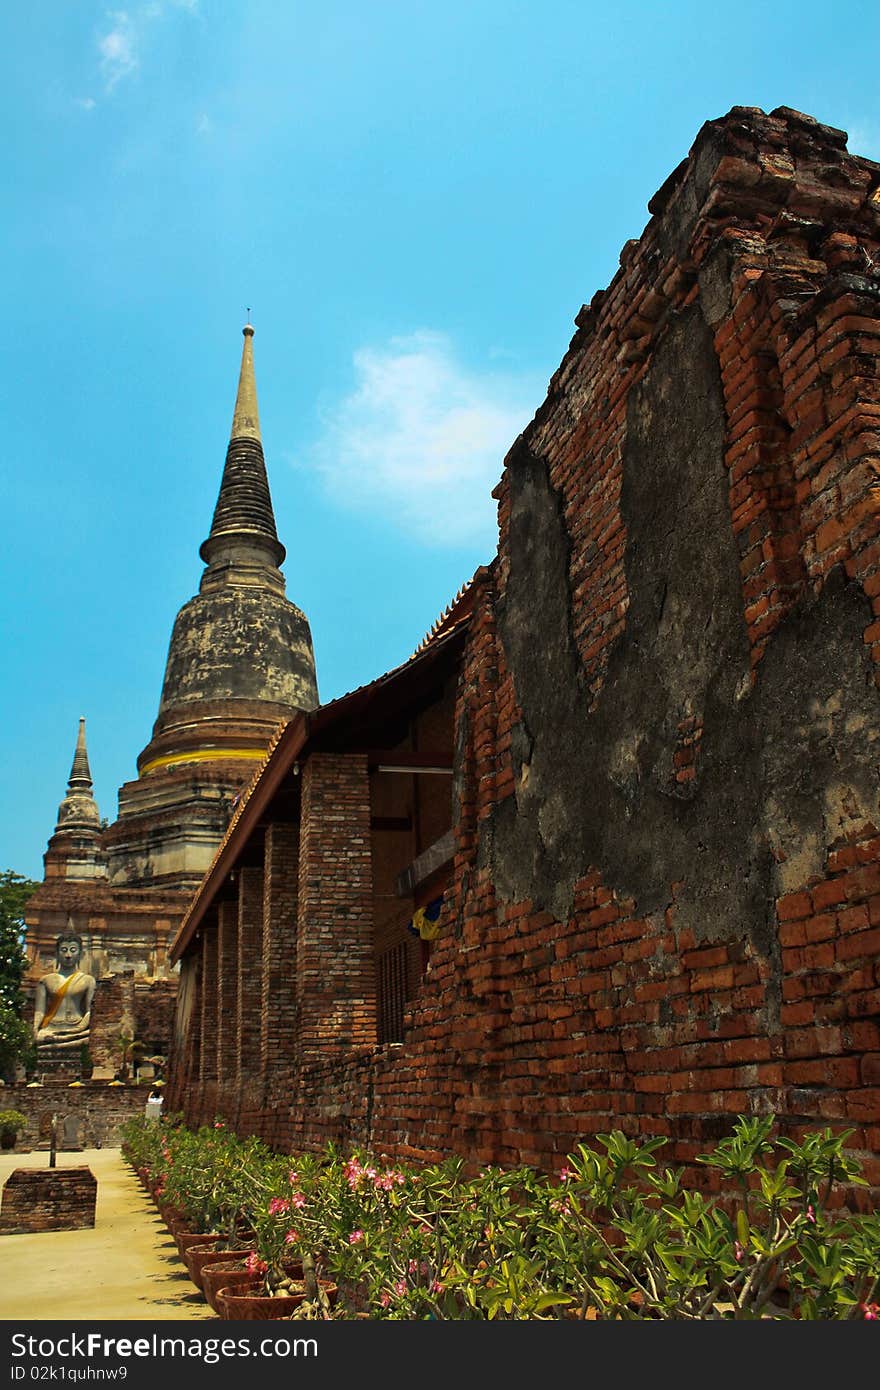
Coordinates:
<point>612,1236</point>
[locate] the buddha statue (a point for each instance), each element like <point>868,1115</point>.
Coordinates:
<point>63,999</point>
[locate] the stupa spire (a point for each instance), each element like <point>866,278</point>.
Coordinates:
<point>80,772</point>
<point>79,810</point>
<point>243,537</point>
<point>246,416</point>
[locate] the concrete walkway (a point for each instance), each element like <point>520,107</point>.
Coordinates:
<point>124,1267</point>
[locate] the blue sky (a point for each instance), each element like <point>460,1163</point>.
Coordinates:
<point>414,199</point>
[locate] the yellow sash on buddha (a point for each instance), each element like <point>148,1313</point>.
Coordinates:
<point>52,1010</point>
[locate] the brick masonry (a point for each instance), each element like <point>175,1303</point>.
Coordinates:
<point>665,903</point>
<point>48,1199</point>
<point>90,1114</point>
<point>335,980</point>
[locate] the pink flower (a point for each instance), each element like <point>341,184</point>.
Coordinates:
<point>400,1288</point>
<point>218,1124</point>
<point>292,1237</point>
<point>811,1215</point>
<point>738,1252</point>
<point>436,1286</point>
<point>254,1264</point>
<point>293,1178</point>
<point>355,1238</point>
<point>298,1201</point>
<point>565,1174</point>
<point>384,1298</point>
<point>278,1206</point>
<point>871,1311</point>
<point>352,1172</point>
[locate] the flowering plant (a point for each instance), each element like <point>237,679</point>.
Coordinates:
<point>774,1230</point>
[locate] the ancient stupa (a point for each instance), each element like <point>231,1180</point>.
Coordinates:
<point>240,663</point>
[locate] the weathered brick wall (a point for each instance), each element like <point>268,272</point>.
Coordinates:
<point>667,891</point>
<point>278,996</point>
<point>665,908</point>
<point>54,1199</point>
<point>667,902</point>
<point>335,979</point>
<point>93,1111</point>
<point>208,1000</point>
<point>226,1018</point>
<point>143,1008</point>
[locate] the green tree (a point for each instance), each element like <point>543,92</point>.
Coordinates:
<point>16,1041</point>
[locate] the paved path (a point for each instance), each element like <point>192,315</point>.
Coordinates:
<point>125,1267</point>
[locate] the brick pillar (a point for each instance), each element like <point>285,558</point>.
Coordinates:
<point>280,893</point>
<point>335,974</point>
<point>249,971</point>
<point>184,1060</point>
<point>208,1055</point>
<point>227,991</point>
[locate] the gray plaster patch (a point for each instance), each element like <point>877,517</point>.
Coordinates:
<point>781,770</point>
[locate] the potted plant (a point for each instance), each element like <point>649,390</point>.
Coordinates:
<point>12,1122</point>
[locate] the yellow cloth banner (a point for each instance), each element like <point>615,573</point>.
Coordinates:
<point>426,929</point>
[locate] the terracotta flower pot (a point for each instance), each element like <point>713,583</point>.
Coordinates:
<point>230,1273</point>
<point>172,1216</point>
<point>250,1303</point>
<point>198,1257</point>
<point>185,1238</point>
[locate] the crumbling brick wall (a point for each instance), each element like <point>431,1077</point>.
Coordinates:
<point>668,889</point>
<point>94,1112</point>
<point>665,908</point>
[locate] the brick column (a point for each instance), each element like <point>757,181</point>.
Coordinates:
<point>249,971</point>
<point>208,1053</point>
<point>278,983</point>
<point>227,991</point>
<point>184,1060</point>
<point>335,973</point>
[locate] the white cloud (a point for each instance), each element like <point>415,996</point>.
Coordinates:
<point>85,103</point>
<point>203,124</point>
<point>421,440</point>
<point>118,48</point>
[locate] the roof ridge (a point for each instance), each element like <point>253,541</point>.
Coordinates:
<point>445,617</point>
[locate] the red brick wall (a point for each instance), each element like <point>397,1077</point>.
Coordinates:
<point>665,908</point>
<point>543,1030</point>
<point>227,994</point>
<point>250,972</point>
<point>279,990</point>
<point>209,994</point>
<point>334,954</point>
<point>94,1110</point>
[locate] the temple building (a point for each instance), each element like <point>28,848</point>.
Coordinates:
<point>653,903</point>
<point>240,664</point>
